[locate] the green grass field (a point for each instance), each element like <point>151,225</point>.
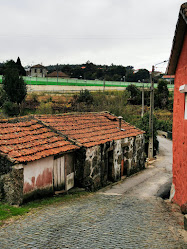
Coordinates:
<point>78,82</point>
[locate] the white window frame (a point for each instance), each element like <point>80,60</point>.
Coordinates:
<point>183,89</point>
<point>185,107</point>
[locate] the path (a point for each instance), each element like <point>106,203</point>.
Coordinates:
<point>114,218</point>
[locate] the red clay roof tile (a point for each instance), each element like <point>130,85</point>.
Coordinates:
<point>90,129</point>
<point>25,141</point>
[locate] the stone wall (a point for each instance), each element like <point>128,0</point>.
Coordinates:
<point>12,187</point>
<point>103,163</point>
<point>5,165</point>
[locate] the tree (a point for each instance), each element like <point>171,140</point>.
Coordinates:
<point>21,69</point>
<point>142,75</point>
<point>162,95</point>
<point>13,85</point>
<point>143,124</point>
<point>135,95</point>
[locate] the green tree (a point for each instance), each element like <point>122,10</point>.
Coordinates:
<point>142,75</point>
<point>143,124</point>
<point>21,69</point>
<point>135,94</point>
<point>162,95</point>
<point>13,85</point>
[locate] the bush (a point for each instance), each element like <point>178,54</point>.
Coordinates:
<point>11,109</point>
<point>2,97</point>
<point>161,95</point>
<point>143,124</point>
<point>164,125</point>
<point>45,108</point>
<point>135,95</point>
<point>85,96</point>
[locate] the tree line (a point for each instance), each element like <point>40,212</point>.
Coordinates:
<point>91,71</point>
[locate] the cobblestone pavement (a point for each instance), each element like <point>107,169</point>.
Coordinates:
<point>103,220</point>
<point>98,221</point>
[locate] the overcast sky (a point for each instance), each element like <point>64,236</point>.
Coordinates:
<point>122,32</point>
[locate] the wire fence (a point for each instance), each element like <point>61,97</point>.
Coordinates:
<point>81,82</point>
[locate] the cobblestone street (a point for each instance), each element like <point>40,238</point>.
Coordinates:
<point>106,219</point>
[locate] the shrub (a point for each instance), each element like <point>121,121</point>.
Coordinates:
<point>2,97</point>
<point>161,95</point>
<point>85,96</point>
<point>164,125</point>
<point>45,108</point>
<point>135,95</point>
<point>143,124</point>
<point>11,109</point>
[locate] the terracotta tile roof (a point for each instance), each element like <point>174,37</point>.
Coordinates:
<point>38,66</point>
<point>60,74</point>
<point>90,129</point>
<point>29,140</point>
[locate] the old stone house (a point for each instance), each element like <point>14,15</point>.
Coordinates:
<point>34,160</point>
<point>38,71</point>
<point>45,153</point>
<point>109,147</point>
<point>178,66</point>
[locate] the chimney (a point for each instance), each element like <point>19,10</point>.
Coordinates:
<point>120,118</point>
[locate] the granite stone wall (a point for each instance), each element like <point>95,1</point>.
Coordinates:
<point>5,165</point>
<point>103,163</point>
<point>12,187</point>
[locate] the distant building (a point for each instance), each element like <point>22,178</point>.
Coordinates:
<point>178,65</point>
<point>169,78</point>
<point>38,71</point>
<point>58,74</point>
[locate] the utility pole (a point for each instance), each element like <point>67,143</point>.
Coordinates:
<point>57,72</point>
<point>151,147</point>
<point>151,142</point>
<point>142,102</point>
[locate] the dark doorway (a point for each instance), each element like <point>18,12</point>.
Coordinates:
<point>110,165</point>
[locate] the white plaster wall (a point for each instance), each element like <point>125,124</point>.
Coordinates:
<point>36,169</point>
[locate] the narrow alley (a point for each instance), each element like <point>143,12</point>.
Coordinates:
<point>128,215</point>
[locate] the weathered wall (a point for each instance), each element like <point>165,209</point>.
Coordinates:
<point>40,72</point>
<point>5,165</point>
<point>180,131</point>
<point>38,175</point>
<point>98,169</point>
<point>13,186</point>
<point>5,168</point>
<point>70,169</point>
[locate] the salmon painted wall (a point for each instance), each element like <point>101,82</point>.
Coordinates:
<point>180,131</point>
<point>38,175</point>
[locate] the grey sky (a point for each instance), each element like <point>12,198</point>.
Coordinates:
<point>126,32</point>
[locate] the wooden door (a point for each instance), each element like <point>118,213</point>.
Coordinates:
<point>59,174</point>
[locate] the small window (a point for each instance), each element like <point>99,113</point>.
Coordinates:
<point>185,110</point>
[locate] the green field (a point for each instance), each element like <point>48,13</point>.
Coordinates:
<point>78,82</point>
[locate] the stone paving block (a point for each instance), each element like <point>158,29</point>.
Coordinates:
<point>97,222</point>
